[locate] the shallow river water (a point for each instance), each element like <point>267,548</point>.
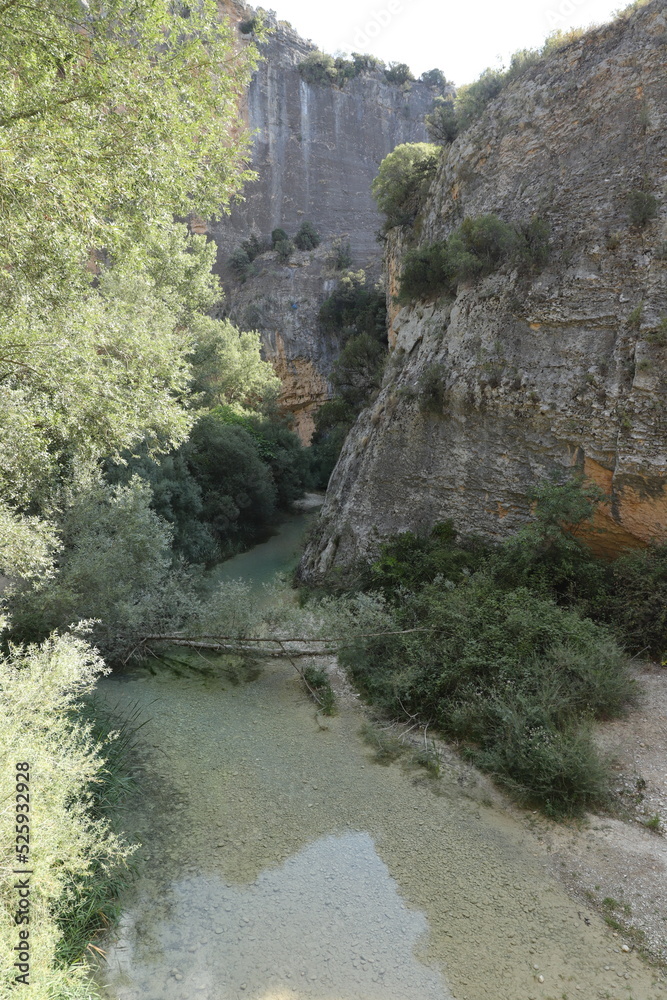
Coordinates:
<point>279,862</point>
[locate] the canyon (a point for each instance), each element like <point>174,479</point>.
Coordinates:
<point>542,374</point>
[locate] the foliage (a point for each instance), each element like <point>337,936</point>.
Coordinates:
<point>227,366</point>
<point>318,685</point>
<point>432,394</point>
<point>254,246</point>
<point>115,566</point>
<point>277,236</point>
<point>409,561</point>
<point>354,308</point>
<point>442,123</point>
<point>358,315</point>
<point>471,100</point>
<point>434,78</point>
<point>284,250</point>
<point>509,673</point>
<point>113,117</point>
<point>342,255</point>
<point>318,67</point>
<point>642,207</point>
<point>40,689</point>
<point>238,263</point>
<point>399,73</point>
<point>403,180</point>
<point>248,27</point>
<point>478,247</point>
<point>90,905</point>
<point>635,602</point>
<point>366,63</point>
<point>546,555</point>
<point>307,237</point>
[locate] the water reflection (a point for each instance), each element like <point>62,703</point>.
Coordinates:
<point>329,924</point>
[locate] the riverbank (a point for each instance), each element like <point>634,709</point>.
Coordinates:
<point>280,860</point>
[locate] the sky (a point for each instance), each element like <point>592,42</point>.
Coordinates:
<point>460,37</point>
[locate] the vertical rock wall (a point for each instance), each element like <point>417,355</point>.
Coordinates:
<point>535,373</point>
<point>317,150</point>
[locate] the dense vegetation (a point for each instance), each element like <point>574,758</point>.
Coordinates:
<point>403,181</point>
<point>356,314</point>
<point>318,67</point>
<point>138,433</point>
<point>519,646</point>
<point>478,247</point>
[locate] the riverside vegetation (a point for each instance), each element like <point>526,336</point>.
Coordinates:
<point>141,443</point>
<point>140,436</point>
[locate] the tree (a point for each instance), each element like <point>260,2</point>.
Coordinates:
<point>112,116</point>
<point>307,237</point>
<point>403,179</point>
<point>442,123</point>
<point>113,119</point>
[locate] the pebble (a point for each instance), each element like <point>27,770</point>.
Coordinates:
<point>540,979</point>
<point>625,948</point>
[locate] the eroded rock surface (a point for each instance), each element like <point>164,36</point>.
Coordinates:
<point>565,368</point>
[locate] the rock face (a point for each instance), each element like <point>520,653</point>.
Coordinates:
<point>317,150</point>
<point>533,375</point>
<point>283,302</point>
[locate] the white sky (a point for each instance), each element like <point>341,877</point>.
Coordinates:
<point>460,37</point>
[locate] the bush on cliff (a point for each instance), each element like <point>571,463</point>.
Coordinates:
<point>403,180</point>
<point>399,73</point>
<point>307,238</point>
<point>478,247</point>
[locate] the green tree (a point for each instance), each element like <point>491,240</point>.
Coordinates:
<point>112,116</point>
<point>403,179</point>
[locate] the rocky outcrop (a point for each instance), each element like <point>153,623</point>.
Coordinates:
<point>283,302</point>
<point>520,376</point>
<point>317,149</point>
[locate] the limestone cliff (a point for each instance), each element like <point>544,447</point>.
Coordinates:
<point>317,149</point>
<point>564,369</point>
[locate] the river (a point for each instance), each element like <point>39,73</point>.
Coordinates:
<point>280,862</point>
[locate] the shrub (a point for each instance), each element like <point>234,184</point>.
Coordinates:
<point>238,263</point>
<point>509,673</point>
<point>307,237</point>
<point>642,206</point>
<point>432,394</point>
<point>278,236</point>
<point>434,78</point>
<point>318,67</point>
<point>40,694</point>
<point>408,561</point>
<point>365,63</point>
<point>403,180</point>
<point>399,73</point>
<point>248,27</point>
<point>115,566</point>
<point>342,255</point>
<point>636,604</point>
<point>284,250</point>
<point>442,123</point>
<point>478,247</point>
<point>254,246</point>
<point>353,308</point>
<point>238,492</point>
<point>533,244</point>
<point>472,100</point>
<point>427,272</point>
